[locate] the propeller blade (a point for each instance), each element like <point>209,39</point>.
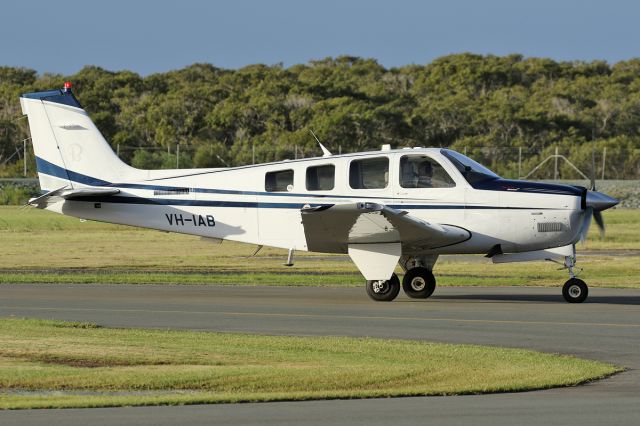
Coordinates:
<point>593,168</point>
<point>599,221</point>
<point>593,158</point>
<point>584,230</point>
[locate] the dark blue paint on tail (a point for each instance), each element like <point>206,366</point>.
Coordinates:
<point>53,170</point>
<point>64,97</point>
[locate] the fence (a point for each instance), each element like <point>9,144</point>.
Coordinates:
<point>516,163</point>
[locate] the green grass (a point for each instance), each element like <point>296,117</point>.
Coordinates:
<point>622,231</point>
<point>61,364</point>
<point>44,247</point>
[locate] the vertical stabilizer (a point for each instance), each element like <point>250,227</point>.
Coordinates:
<point>70,150</point>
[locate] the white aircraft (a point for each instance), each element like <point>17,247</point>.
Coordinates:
<point>405,206</point>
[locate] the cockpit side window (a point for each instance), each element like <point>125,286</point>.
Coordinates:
<point>472,171</point>
<point>421,171</point>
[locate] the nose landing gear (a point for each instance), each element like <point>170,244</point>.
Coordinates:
<point>574,290</point>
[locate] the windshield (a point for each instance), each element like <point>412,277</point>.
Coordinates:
<point>472,171</point>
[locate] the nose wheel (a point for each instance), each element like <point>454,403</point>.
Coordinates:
<point>384,290</point>
<point>575,290</point>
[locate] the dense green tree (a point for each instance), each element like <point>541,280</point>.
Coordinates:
<point>492,107</point>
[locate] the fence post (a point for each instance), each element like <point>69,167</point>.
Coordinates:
<point>295,152</point>
<point>24,157</point>
<point>118,150</point>
<point>178,155</point>
<point>555,167</point>
<point>519,162</point>
<point>253,154</point>
<point>604,159</point>
<point>339,149</point>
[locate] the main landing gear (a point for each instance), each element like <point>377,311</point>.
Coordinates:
<point>418,283</point>
<point>384,290</point>
<point>574,290</point>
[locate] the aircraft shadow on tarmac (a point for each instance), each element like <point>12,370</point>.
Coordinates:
<point>546,298</point>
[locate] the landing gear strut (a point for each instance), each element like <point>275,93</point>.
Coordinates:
<point>384,290</point>
<point>574,290</point>
<point>419,283</point>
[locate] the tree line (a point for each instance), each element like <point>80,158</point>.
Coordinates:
<point>494,108</point>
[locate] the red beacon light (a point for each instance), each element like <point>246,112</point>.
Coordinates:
<point>67,85</point>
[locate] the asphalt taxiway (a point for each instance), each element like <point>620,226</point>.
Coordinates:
<point>606,328</point>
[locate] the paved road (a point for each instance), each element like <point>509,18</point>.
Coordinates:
<point>606,328</point>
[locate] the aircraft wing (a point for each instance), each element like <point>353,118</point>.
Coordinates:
<point>63,193</point>
<point>368,223</point>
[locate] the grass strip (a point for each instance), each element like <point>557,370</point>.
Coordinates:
<point>47,364</point>
<point>43,247</point>
<point>599,271</point>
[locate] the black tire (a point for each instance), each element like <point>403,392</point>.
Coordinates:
<point>419,283</point>
<point>384,291</point>
<point>575,291</point>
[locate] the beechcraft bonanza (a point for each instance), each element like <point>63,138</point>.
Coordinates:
<point>383,208</point>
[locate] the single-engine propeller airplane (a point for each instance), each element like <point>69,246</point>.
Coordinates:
<point>405,206</point>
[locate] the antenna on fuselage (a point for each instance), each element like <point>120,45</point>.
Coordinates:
<point>223,162</point>
<point>325,151</point>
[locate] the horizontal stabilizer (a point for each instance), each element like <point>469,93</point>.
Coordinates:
<point>63,193</point>
<point>88,192</point>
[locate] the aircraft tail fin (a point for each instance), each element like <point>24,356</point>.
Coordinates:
<point>70,150</point>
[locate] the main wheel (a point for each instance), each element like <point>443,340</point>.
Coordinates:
<point>575,290</point>
<point>384,290</point>
<point>419,283</point>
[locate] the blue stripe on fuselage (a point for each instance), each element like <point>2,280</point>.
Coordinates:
<point>48,168</point>
<point>263,205</point>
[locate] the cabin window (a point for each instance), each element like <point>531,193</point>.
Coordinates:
<point>420,171</point>
<point>321,178</point>
<point>371,173</point>
<point>280,181</point>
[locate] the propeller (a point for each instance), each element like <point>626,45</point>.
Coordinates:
<point>596,213</point>
<point>593,165</point>
<point>595,202</point>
